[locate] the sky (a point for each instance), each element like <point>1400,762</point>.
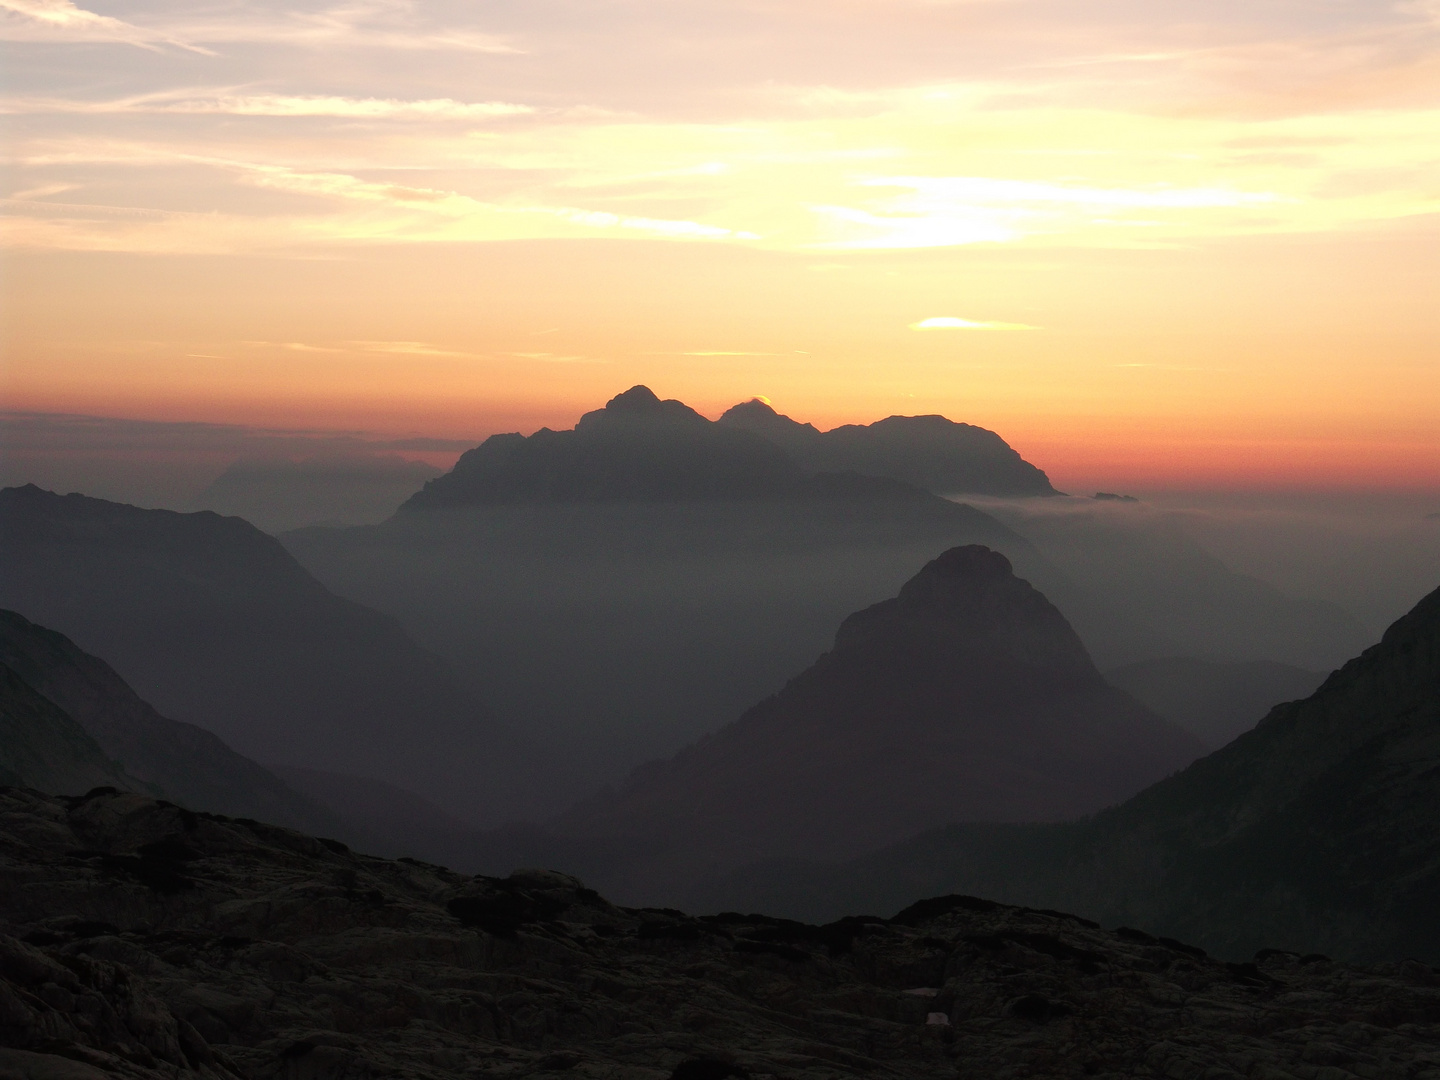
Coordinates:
<point>1155,245</point>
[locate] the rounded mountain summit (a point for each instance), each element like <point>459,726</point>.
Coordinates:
<point>967,697</point>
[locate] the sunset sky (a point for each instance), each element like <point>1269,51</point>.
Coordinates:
<point>1164,244</point>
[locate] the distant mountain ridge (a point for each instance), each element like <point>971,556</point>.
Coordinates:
<point>636,448</point>
<point>931,451</point>
<point>1313,832</point>
<point>641,448</point>
<point>215,624</point>
<point>967,697</point>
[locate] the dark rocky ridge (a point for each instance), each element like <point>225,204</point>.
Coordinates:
<point>184,762</point>
<point>215,624</point>
<point>967,697</point>
<point>931,452</point>
<point>1315,831</point>
<point>140,941</point>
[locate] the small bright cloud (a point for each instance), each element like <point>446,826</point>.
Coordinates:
<point>949,322</point>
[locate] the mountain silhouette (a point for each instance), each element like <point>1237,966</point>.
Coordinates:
<point>1313,832</point>
<point>640,448</point>
<point>42,747</point>
<point>931,452</point>
<point>966,697</point>
<point>637,447</point>
<point>215,624</point>
<point>619,630</point>
<point>186,763</point>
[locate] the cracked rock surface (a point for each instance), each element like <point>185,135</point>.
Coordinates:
<point>139,939</point>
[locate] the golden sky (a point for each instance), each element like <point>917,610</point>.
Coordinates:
<point>1166,244</point>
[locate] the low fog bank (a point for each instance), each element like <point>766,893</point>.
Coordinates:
<point>1368,554</point>
<point>275,479</point>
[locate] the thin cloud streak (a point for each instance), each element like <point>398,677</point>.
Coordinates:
<point>374,25</point>
<point>63,20</point>
<point>272,105</point>
<point>950,322</point>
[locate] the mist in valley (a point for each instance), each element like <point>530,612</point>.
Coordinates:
<point>605,633</point>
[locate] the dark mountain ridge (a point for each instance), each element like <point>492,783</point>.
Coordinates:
<point>931,452</point>
<point>637,447</point>
<point>215,624</point>
<point>640,448</point>
<point>966,697</point>
<point>1315,831</point>
<point>184,762</point>
<point>43,747</point>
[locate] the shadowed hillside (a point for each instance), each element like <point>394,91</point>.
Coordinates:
<point>967,697</point>
<point>185,762</point>
<point>212,622</point>
<point>42,747</point>
<point>1315,831</point>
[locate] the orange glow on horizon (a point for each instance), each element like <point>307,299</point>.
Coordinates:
<point>1167,247</point>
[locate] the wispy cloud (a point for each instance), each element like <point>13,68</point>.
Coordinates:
<point>301,346</point>
<point>464,208</point>
<point>711,352</point>
<point>970,190</point>
<point>950,322</point>
<point>406,348</point>
<point>376,24</point>
<point>555,358</point>
<point>43,191</point>
<point>956,227</point>
<point>274,105</point>
<point>944,211</point>
<point>63,20</point>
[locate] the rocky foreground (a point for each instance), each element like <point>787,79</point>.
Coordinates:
<point>140,939</point>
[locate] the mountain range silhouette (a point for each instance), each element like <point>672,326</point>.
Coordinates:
<point>640,448</point>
